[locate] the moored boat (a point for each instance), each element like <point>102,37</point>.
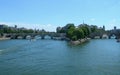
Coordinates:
<point>118,40</point>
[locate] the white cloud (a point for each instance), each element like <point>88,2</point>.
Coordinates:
<point>47,27</point>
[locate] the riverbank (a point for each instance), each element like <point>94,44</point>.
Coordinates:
<point>3,38</point>
<point>80,41</point>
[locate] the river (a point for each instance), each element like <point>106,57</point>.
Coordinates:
<point>51,57</point>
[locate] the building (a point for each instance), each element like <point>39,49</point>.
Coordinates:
<point>3,26</point>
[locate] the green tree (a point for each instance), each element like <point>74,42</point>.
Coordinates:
<point>70,32</point>
<point>85,30</point>
<point>74,38</point>
<point>93,28</point>
<point>1,31</point>
<point>75,33</point>
<point>80,33</point>
<point>65,28</point>
<point>69,25</point>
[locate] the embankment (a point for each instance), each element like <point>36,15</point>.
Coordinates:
<point>80,41</point>
<point>4,38</point>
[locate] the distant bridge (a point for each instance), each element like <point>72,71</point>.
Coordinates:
<point>33,35</point>
<point>115,33</point>
<point>107,34</point>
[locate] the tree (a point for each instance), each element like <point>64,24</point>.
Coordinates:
<point>58,29</point>
<point>86,30</point>
<point>69,25</point>
<point>75,33</point>
<point>65,28</point>
<point>74,38</point>
<point>80,33</point>
<point>93,28</point>
<point>1,31</point>
<point>70,32</point>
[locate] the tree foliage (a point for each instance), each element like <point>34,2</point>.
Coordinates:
<point>75,33</point>
<point>70,32</point>
<point>65,28</point>
<point>86,30</point>
<point>79,32</point>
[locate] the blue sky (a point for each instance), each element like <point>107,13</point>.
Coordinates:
<point>48,14</point>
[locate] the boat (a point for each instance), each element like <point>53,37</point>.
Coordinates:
<point>118,40</point>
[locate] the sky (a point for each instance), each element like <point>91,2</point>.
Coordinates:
<point>49,14</point>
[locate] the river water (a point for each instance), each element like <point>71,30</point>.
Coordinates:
<point>51,57</point>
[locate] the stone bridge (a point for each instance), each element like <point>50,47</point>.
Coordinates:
<point>32,35</point>
<point>115,33</point>
<point>107,34</point>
